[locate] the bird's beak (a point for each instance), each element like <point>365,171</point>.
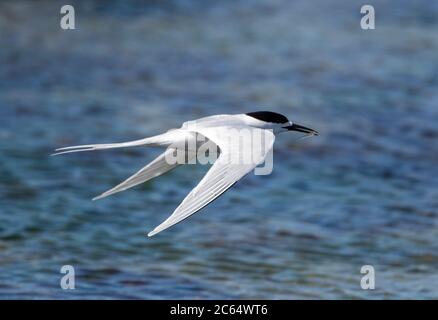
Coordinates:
<point>297,127</point>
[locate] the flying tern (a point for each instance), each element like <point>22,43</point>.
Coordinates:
<point>225,132</point>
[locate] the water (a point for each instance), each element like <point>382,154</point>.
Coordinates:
<point>364,192</point>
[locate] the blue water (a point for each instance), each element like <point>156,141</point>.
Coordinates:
<point>364,192</point>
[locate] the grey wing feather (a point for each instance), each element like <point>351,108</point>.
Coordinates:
<point>157,167</point>
<point>164,139</point>
<point>221,176</point>
<point>218,180</point>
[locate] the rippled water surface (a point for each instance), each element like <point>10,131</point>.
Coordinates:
<point>364,192</point>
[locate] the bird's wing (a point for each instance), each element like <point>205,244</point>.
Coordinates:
<point>157,167</point>
<point>167,138</point>
<point>225,172</point>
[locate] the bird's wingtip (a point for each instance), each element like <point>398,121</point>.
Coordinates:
<point>55,154</point>
<point>152,233</point>
<point>155,231</point>
<point>98,197</point>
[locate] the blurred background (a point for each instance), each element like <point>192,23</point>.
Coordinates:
<point>364,192</point>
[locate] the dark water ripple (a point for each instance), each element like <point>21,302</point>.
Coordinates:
<point>363,192</point>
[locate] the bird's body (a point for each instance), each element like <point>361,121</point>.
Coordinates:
<point>244,141</point>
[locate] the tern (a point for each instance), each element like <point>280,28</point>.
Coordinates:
<point>225,132</point>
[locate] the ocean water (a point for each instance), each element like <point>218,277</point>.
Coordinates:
<point>364,192</point>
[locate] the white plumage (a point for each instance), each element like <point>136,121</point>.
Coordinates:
<point>236,159</point>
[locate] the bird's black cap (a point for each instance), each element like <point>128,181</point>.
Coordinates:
<point>268,116</point>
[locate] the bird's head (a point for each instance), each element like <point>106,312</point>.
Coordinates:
<point>278,122</point>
